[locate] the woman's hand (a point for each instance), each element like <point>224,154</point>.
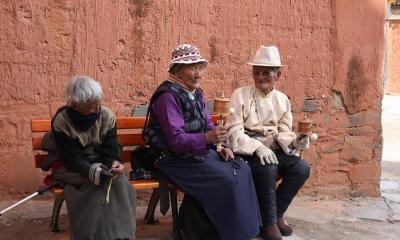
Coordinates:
<point>226,154</point>
<point>216,135</point>
<point>117,168</point>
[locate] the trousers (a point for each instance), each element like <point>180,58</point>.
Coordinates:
<point>274,201</point>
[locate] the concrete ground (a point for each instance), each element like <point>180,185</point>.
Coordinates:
<point>359,218</point>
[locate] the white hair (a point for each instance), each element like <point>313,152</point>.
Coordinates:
<point>83,89</point>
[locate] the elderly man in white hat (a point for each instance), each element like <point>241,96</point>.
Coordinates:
<point>260,131</point>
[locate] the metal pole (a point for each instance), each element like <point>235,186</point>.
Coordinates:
<point>19,203</point>
<point>39,192</point>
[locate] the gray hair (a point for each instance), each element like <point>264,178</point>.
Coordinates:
<point>175,68</point>
<point>83,89</point>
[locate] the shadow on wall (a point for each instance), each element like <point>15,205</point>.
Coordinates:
<point>357,85</point>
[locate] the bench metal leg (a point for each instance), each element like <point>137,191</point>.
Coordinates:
<point>176,234</point>
<point>58,201</point>
<point>151,208</point>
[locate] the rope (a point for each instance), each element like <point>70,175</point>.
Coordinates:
<point>108,191</point>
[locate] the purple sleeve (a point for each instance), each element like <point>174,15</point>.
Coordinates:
<point>170,117</point>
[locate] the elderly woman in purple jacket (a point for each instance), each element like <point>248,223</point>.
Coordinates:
<point>220,200</point>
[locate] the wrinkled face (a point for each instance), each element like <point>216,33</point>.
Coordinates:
<point>88,108</point>
<point>190,75</point>
<point>265,77</point>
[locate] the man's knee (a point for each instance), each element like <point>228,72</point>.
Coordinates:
<point>268,170</point>
<point>303,169</point>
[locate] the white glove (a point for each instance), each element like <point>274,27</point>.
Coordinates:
<point>266,156</point>
<point>302,142</point>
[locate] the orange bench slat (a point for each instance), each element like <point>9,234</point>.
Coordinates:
<point>40,125</point>
<point>39,158</point>
<point>125,139</point>
<point>130,122</point>
<point>137,184</point>
<point>44,125</point>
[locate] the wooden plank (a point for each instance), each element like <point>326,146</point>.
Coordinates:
<point>58,191</point>
<point>130,122</point>
<point>40,125</point>
<point>137,184</point>
<point>43,125</point>
<point>39,158</point>
<point>125,139</point>
<point>130,139</point>
<point>126,155</point>
<point>36,142</point>
<point>144,184</point>
<point>122,123</point>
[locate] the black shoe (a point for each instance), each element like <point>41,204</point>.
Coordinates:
<point>284,228</point>
<point>271,232</point>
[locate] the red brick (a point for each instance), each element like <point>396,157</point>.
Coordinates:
<point>369,172</point>
<point>357,149</point>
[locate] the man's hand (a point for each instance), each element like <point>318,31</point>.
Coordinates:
<point>266,156</point>
<point>226,154</point>
<point>216,135</point>
<point>117,168</point>
<point>301,142</point>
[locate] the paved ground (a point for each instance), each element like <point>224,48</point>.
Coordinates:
<point>360,218</point>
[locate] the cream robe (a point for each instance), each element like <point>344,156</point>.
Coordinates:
<point>248,130</point>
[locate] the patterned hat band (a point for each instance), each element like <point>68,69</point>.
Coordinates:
<point>187,58</point>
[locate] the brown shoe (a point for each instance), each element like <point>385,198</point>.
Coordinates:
<point>285,229</point>
<point>271,232</point>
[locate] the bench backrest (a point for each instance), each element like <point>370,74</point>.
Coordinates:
<point>129,135</point>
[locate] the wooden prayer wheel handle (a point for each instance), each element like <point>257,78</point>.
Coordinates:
<point>221,107</point>
<point>220,123</point>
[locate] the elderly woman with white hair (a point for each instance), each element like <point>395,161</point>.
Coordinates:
<point>100,200</point>
<point>220,200</point>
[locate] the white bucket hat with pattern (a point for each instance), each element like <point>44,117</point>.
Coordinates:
<point>186,54</point>
<point>267,56</point>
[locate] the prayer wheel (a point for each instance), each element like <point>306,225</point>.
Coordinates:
<point>306,127</point>
<point>221,105</point>
<point>221,108</point>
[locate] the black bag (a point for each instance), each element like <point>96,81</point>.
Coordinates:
<point>143,163</point>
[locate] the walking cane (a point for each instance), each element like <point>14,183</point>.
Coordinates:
<point>39,192</point>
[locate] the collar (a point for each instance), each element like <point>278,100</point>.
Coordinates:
<point>174,79</point>
<point>262,94</point>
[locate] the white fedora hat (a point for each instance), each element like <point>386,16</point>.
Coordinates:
<point>186,54</point>
<point>267,56</point>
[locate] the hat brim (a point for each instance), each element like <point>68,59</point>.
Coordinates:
<point>264,64</point>
<point>200,60</point>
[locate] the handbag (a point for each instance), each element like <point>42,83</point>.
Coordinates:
<point>143,163</point>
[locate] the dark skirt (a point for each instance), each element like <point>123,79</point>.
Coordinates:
<point>225,190</point>
<point>91,218</point>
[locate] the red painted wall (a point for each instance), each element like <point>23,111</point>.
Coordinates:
<point>332,52</point>
<point>393,57</point>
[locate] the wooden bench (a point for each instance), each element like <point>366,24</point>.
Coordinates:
<point>129,136</point>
